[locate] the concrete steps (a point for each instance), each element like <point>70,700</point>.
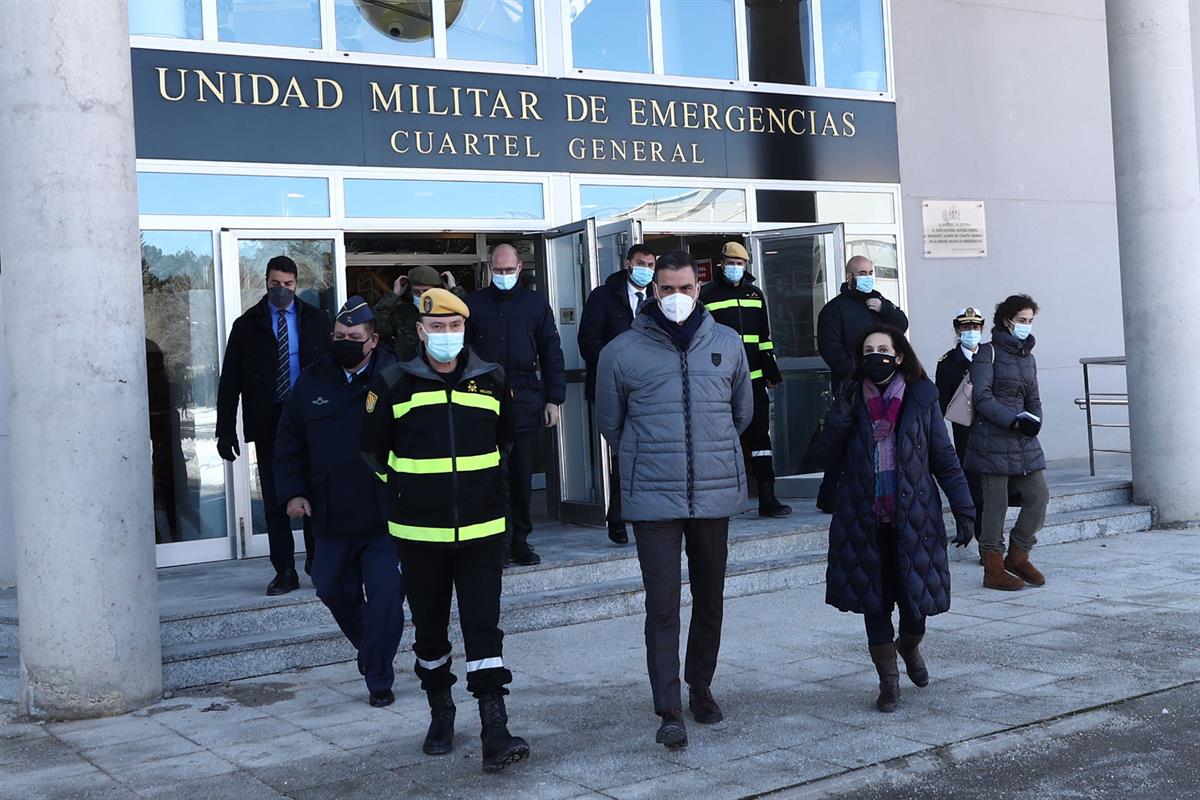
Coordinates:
<point>255,635</point>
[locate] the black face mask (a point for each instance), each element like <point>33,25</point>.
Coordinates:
<point>348,353</point>
<point>281,297</point>
<point>879,367</point>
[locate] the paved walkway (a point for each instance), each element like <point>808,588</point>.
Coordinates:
<point>1117,620</point>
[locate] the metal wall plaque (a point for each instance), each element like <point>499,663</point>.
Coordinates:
<point>954,228</point>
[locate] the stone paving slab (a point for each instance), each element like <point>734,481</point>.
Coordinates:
<point>1117,620</point>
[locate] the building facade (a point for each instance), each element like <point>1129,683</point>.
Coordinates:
<point>812,130</point>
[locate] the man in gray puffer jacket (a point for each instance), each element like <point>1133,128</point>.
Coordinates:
<point>673,395</point>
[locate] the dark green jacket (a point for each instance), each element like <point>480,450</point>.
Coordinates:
<point>396,322</point>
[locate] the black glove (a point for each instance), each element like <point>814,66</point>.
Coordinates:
<point>1026,426</point>
<point>964,526</point>
<point>227,446</point>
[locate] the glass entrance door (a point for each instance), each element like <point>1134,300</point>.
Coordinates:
<point>798,269</point>
<point>320,258</point>
<point>579,257</point>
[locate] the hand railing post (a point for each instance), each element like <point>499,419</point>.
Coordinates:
<point>1087,407</point>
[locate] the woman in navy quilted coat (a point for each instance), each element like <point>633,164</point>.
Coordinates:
<point>887,543</point>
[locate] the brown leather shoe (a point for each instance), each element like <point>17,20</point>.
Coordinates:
<point>994,576</point>
<point>1017,562</point>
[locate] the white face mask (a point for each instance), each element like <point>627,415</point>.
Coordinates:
<point>677,307</point>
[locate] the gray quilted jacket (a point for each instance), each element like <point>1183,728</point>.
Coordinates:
<point>675,419</point>
<point>1001,388</point>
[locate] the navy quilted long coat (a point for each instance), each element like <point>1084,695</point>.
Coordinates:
<point>853,578</point>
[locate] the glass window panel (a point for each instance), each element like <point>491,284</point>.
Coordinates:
<point>882,251</point>
<point>663,203</point>
<point>699,38</point>
<point>855,207</point>
<point>232,195</point>
<point>491,30</point>
<point>176,19</point>
<point>180,304</point>
<point>366,197</point>
<point>610,34</point>
<point>291,23</point>
<point>314,285</point>
<point>780,37</point>
<point>853,44</point>
<point>411,21</point>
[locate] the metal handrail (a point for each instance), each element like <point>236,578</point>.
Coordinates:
<point>1092,399</point>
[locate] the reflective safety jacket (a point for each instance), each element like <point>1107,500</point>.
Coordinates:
<point>439,443</point>
<point>744,309</point>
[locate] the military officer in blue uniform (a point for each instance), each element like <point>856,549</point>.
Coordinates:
<point>320,474</point>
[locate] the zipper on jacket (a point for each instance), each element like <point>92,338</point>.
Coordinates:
<point>453,458</point>
<point>687,434</point>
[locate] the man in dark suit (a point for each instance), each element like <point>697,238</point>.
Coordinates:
<point>268,347</point>
<point>608,312</point>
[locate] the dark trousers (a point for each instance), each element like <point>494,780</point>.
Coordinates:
<point>473,572</point>
<point>614,491</point>
<point>279,525</point>
<point>879,625</point>
<point>344,567</point>
<point>707,546</point>
<point>520,482</point>
<point>756,439</point>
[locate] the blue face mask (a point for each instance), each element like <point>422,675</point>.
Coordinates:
<point>641,276</point>
<point>416,298</point>
<point>865,283</point>
<point>504,282</point>
<point>1021,330</point>
<point>444,346</point>
<point>733,273</point>
<point>970,339</point>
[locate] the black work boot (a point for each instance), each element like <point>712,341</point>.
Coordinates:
<point>768,504</point>
<point>672,733</point>
<point>884,656</point>
<point>523,552</point>
<point>909,648</point>
<point>286,581</point>
<point>439,740</point>
<point>704,706</point>
<point>500,748</point>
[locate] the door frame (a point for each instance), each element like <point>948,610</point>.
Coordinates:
<point>248,544</point>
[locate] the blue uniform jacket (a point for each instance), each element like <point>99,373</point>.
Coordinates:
<point>317,452</point>
<point>516,330</point>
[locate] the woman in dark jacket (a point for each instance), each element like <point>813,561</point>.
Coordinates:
<point>1003,447</point>
<point>887,544</point>
<point>952,367</point>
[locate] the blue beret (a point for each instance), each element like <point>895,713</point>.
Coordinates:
<point>355,312</point>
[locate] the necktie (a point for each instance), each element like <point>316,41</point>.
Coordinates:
<point>283,372</point>
<point>641,301</point>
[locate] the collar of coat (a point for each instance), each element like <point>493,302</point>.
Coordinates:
<point>649,328</point>
<point>855,294</point>
<point>476,366</point>
<point>1003,338</point>
<point>263,310</point>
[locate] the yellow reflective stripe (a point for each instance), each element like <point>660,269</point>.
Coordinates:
<point>420,533</point>
<point>750,303</point>
<point>766,345</point>
<point>418,399</point>
<point>475,400</point>
<point>717,306</point>
<point>756,374</point>
<point>481,529</point>
<point>381,476</point>
<point>750,338</point>
<point>435,466</point>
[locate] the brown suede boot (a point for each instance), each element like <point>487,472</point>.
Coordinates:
<point>884,656</point>
<point>994,576</point>
<point>909,648</point>
<point>1017,562</point>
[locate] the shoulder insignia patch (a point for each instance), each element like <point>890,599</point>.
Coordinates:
<point>716,359</point>
<point>372,399</point>
<point>944,356</point>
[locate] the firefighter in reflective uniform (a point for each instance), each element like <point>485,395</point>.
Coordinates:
<point>734,300</point>
<point>435,425</point>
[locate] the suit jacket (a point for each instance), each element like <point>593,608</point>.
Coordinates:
<point>251,363</point>
<point>606,315</point>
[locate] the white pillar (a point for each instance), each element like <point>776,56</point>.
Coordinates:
<point>1158,214</point>
<point>72,313</point>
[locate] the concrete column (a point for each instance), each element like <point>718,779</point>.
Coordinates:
<point>72,313</point>
<point>1158,214</point>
